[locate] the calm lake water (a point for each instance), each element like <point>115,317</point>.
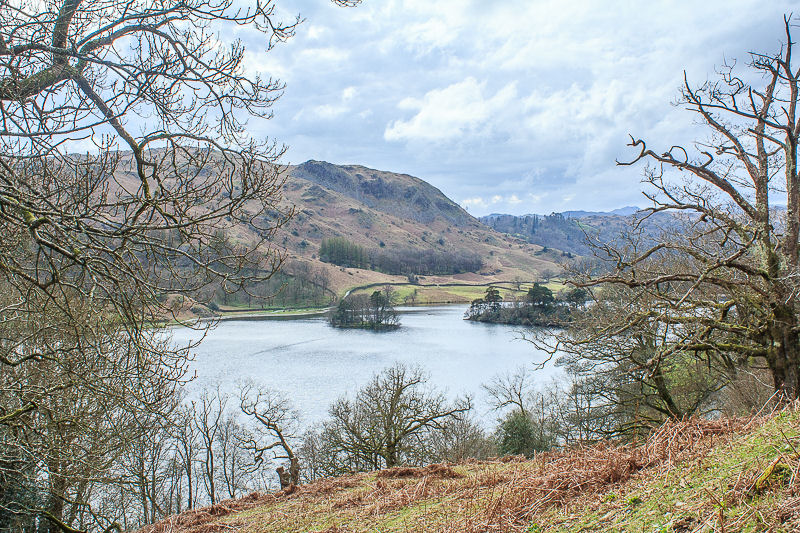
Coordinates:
<point>315,364</point>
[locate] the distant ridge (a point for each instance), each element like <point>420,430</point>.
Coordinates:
<point>628,210</point>
<point>620,212</point>
<point>568,231</point>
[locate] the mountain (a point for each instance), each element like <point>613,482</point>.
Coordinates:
<point>390,213</point>
<point>571,231</point>
<point>398,195</point>
<point>622,211</point>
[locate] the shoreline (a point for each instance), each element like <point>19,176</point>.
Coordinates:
<point>289,314</point>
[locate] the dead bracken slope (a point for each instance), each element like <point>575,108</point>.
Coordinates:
<point>697,475</point>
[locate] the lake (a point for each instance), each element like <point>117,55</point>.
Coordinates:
<point>314,364</point>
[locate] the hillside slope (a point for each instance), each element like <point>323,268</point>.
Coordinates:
<point>385,210</point>
<point>699,475</point>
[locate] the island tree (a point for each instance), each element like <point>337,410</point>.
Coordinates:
<point>540,296</point>
<point>374,311</point>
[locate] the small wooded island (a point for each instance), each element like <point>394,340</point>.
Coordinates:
<point>374,311</point>
<point>539,307</point>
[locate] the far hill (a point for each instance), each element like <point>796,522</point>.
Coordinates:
<point>398,195</point>
<point>392,215</point>
<point>569,231</point>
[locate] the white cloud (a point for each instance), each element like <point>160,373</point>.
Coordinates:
<point>324,56</point>
<point>434,24</point>
<point>460,109</point>
<point>329,111</point>
<point>349,93</point>
<point>529,101</point>
<point>474,202</point>
<point>316,32</point>
<point>493,201</point>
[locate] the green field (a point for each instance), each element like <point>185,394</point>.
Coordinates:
<point>430,294</point>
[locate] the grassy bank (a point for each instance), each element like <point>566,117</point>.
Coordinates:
<point>698,475</point>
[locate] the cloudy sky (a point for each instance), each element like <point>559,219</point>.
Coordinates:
<point>506,106</point>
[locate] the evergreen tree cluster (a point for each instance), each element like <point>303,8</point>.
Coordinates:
<point>342,252</point>
<point>519,434</point>
<point>398,261</point>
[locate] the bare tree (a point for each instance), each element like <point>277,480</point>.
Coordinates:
<point>386,423</point>
<point>547,274</point>
<point>627,369</point>
<point>209,413</point>
<point>725,288</point>
<point>125,163</point>
<point>537,412</point>
<point>313,456</point>
<point>237,463</point>
<point>117,230</point>
<point>187,449</point>
<point>511,390</point>
<point>460,439</point>
<point>199,456</point>
<point>91,407</point>
<point>275,431</point>
<point>150,471</point>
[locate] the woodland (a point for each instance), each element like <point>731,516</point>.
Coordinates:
<point>96,245</point>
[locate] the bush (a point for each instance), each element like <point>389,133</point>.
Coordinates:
<point>519,434</point>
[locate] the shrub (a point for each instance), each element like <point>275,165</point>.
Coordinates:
<point>519,434</point>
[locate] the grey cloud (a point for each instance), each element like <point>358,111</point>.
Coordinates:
<point>528,99</point>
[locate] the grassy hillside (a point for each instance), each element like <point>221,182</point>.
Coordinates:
<point>699,475</point>
<point>383,210</point>
<point>380,212</point>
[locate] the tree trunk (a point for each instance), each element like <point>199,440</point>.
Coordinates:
<point>391,456</point>
<point>55,506</point>
<point>294,471</point>
<point>664,394</point>
<point>284,477</point>
<point>784,354</point>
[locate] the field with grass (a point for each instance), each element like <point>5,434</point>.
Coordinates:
<point>698,475</point>
<point>449,292</point>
